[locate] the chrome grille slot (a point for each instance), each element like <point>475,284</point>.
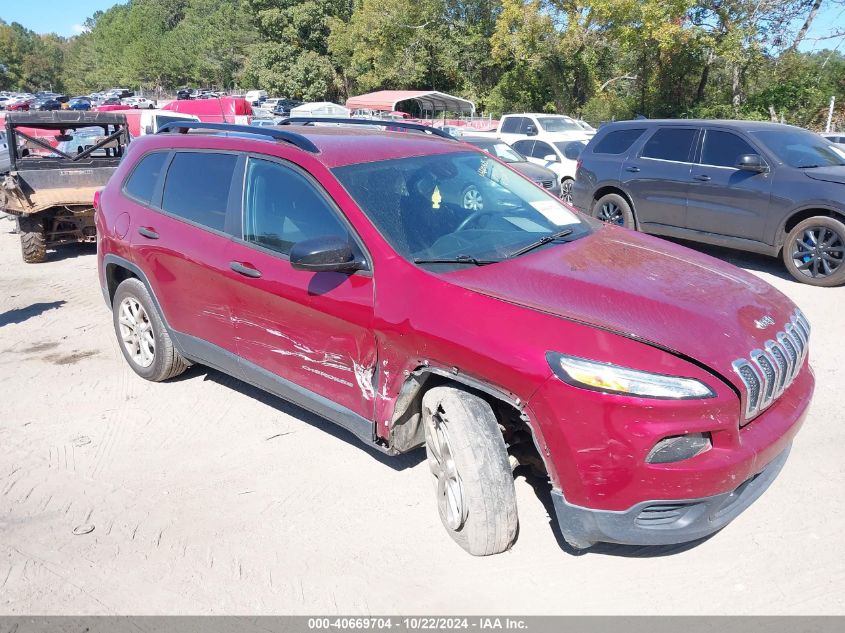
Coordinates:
<point>769,376</point>
<point>770,371</point>
<point>548,183</point>
<point>779,357</point>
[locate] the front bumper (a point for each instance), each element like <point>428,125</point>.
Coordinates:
<point>662,522</point>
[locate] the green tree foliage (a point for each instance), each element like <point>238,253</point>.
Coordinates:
<point>29,61</point>
<point>291,57</point>
<point>601,59</point>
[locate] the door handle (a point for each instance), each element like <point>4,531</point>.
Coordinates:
<point>148,233</point>
<point>633,169</point>
<point>702,177</point>
<point>242,269</point>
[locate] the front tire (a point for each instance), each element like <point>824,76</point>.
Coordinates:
<point>814,251</point>
<point>33,239</point>
<point>614,209</point>
<point>473,480</point>
<point>143,339</point>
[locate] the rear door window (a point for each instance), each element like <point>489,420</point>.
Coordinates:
<point>142,182</point>
<point>197,187</point>
<point>541,150</point>
<point>511,124</point>
<point>670,143</point>
<point>524,147</point>
<point>618,141</point>
<point>723,149</point>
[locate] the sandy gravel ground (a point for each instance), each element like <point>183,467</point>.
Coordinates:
<point>207,496</point>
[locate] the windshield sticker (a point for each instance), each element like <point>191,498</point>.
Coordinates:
<point>484,167</point>
<point>436,198</point>
<point>555,212</point>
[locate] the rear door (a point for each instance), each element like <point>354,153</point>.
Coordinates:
<point>657,177</point>
<point>310,329</point>
<point>179,240</point>
<point>723,199</point>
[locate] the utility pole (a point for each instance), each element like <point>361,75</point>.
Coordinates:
<point>830,114</point>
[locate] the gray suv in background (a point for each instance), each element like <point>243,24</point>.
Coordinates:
<point>762,187</point>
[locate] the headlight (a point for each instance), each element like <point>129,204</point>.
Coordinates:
<point>610,378</point>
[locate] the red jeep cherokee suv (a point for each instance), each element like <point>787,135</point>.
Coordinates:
<point>335,266</point>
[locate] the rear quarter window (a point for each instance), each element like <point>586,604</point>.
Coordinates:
<point>618,141</point>
<point>197,187</point>
<point>142,181</point>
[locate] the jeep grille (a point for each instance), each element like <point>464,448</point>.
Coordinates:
<point>769,371</point>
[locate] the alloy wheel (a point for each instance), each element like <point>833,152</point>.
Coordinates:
<point>818,252</point>
<point>450,490</point>
<point>473,199</point>
<point>611,213</point>
<point>566,191</point>
<point>136,332</point>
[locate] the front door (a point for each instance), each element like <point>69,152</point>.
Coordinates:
<point>310,329</point>
<point>658,178</point>
<point>723,199</point>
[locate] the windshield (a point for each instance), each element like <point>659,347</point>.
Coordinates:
<point>558,124</point>
<point>801,149</point>
<point>502,151</point>
<point>459,204</point>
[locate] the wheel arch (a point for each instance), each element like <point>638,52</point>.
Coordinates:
<point>606,189</point>
<point>798,216</point>
<point>116,270</point>
<point>406,431</point>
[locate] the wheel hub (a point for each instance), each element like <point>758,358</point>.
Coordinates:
<point>819,252</point>
<point>136,332</point>
<point>449,487</point>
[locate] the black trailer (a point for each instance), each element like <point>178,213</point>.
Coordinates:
<point>57,162</point>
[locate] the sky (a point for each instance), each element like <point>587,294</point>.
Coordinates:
<point>66,17</point>
<point>63,17</point>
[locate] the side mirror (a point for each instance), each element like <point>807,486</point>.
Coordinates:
<point>751,162</point>
<point>552,158</point>
<point>324,254</point>
<point>531,130</point>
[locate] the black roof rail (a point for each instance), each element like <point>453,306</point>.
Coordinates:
<point>383,123</point>
<point>293,138</point>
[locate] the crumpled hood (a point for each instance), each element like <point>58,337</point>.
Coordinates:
<point>827,174</point>
<point>645,288</point>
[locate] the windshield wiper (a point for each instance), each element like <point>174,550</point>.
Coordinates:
<point>543,240</point>
<point>460,259</point>
<point>808,166</point>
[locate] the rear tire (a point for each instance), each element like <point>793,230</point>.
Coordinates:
<point>612,208</point>
<point>143,339</point>
<point>33,240</point>
<point>474,486</point>
<point>566,189</point>
<point>814,252</point>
